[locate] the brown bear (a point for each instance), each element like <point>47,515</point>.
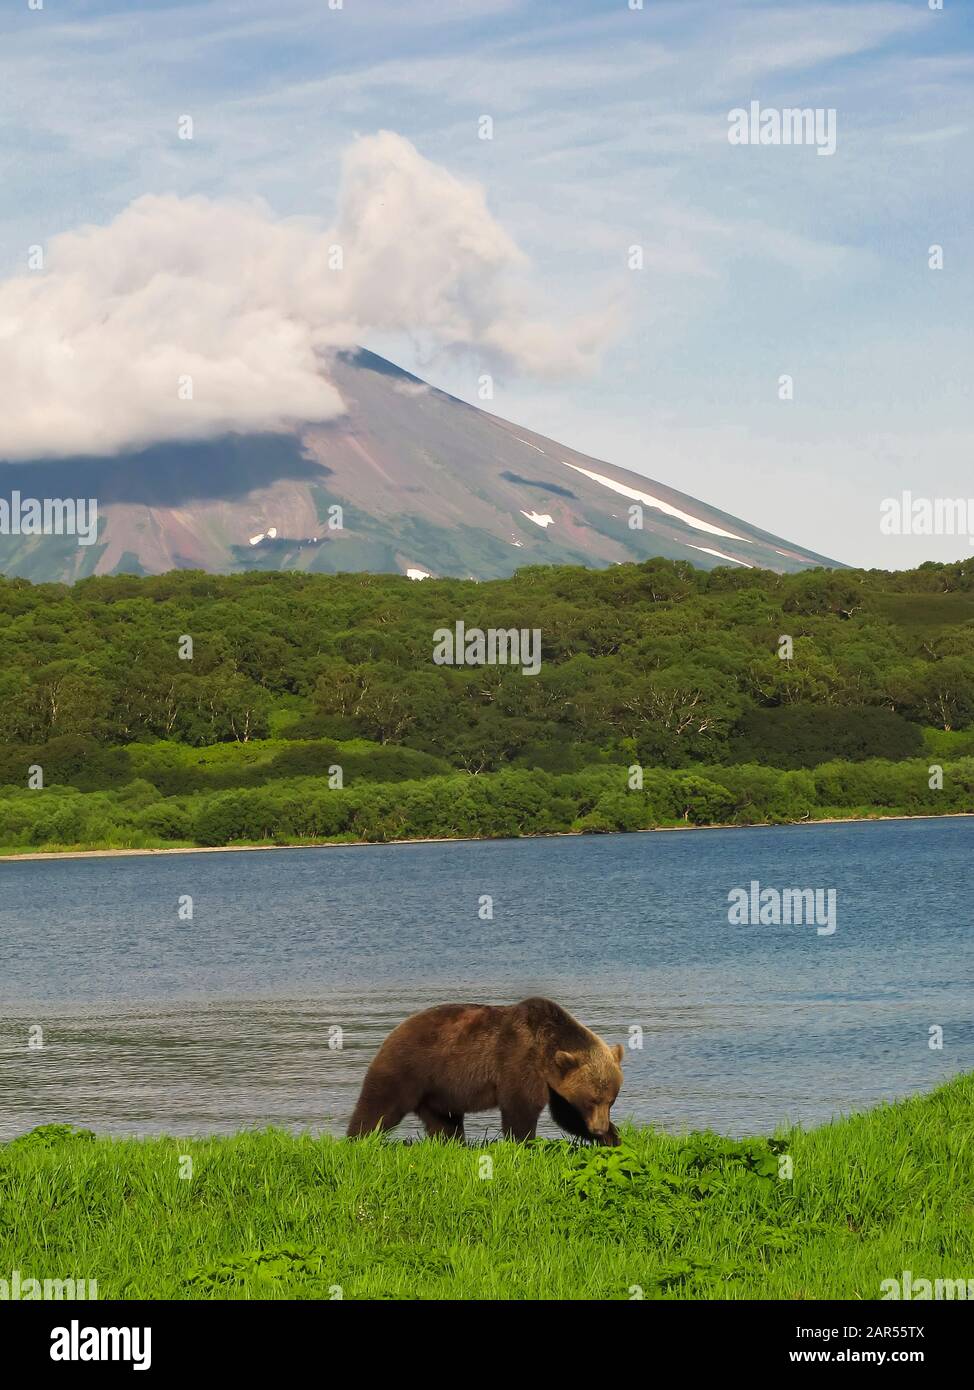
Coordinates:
<point>456,1058</point>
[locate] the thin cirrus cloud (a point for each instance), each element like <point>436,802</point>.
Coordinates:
<point>187,317</point>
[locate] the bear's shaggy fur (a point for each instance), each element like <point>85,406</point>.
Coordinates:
<point>455,1058</point>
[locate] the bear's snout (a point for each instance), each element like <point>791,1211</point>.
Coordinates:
<point>598,1121</point>
<point>610,1138</point>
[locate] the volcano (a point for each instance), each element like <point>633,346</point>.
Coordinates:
<point>408,480</point>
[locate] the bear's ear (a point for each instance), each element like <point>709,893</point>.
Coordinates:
<point>618,1053</point>
<point>564,1061</point>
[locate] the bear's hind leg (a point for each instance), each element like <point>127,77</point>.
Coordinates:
<point>440,1125</point>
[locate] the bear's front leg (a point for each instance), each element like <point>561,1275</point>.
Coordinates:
<point>519,1120</point>
<point>378,1107</point>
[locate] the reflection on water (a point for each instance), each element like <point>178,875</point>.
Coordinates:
<point>151,1025</point>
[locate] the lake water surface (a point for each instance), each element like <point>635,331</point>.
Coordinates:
<point>156,1025</point>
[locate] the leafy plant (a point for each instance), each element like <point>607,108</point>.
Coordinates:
<point>282,1265</point>
<point>49,1136</point>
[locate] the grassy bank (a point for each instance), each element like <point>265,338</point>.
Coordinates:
<point>305,809</point>
<point>276,1216</point>
<point>87,852</point>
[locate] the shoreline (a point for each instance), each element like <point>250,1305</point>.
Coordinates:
<point>462,839</point>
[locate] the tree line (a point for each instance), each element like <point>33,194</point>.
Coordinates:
<point>657,663</point>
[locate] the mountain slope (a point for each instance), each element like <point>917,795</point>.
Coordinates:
<point>426,484</point>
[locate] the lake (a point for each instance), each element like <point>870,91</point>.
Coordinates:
<point>152,1024</point>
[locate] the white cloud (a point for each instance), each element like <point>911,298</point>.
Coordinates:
<point>96,350</point>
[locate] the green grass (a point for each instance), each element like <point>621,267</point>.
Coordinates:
<point>270,1215</point>
<point>927,613</point>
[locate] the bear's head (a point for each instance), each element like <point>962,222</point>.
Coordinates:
<point>589,1080</point>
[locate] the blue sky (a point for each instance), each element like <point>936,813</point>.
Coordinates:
<point>610,130</point>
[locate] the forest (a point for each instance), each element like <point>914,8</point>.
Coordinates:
<point>192,708</point>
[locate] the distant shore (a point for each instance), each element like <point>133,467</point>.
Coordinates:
<point>462,839</point>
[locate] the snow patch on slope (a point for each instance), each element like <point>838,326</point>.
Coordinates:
<point>541,519</point>
<point>720,555</point>
<point>651,501</point>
